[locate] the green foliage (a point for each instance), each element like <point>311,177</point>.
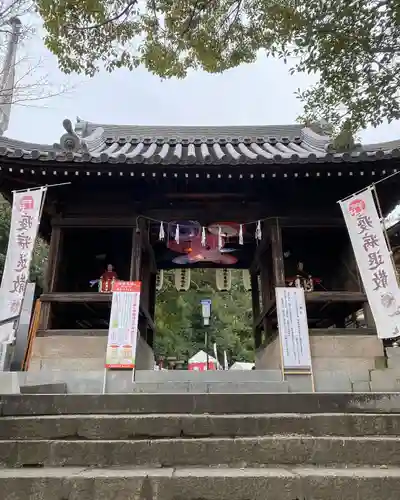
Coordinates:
<point>351,46</point>
<point>180,330</point>
<point>39,257</point>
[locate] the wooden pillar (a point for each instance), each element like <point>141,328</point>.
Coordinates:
<point>255,303</point>
<point>277,255</point>
<point>368,317</point>
<point>152,306</point>
<point>136,255</point>
<point>53,261</point>
<point>267,292</point>
<point>51,275</point>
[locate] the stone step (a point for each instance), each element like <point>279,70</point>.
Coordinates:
<point>110,427</point>
<point>222,376</point>
<point>209,387</point>
<point>74,404</point>
<point>284,483</point>
<point>243,452</point>
<point>59,388</point>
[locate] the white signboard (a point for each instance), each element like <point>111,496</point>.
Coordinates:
<point>123,329</point>
<point>25,219</point>
<point>374,262</point>
<point>293,328</point>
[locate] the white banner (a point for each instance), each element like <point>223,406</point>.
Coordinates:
<point>374,262</point>
<point>123,329</point>
<point>293,328</point>
<point>25,219</point>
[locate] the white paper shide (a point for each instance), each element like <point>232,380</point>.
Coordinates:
<point>25,219</point>
<point>374,262</point>
<point>293,328</point>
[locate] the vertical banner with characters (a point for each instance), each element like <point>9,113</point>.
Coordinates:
<point>374,261</point>
<point>124,319</point>
<point>25,219</point>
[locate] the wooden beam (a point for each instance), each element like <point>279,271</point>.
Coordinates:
<point>75,297</point>
<point>86,297</point>
<point>203,196</point>
<point>335,297</point>
<point>342,331</point>
<point>90,222</point>
<point>81,332</point>
<point>314,297</point>
<point>311,221</point>
<point>267,311</point>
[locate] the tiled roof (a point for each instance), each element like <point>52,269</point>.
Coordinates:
<point>192,145</point>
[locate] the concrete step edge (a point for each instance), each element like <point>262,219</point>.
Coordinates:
<point>292,450</point>
<point>209,483</point>
<point>279,470</point>
<point>119,427</point>
<point>200,403</point>
<point>219,439</point>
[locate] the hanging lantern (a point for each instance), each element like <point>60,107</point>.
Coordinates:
<point>182,280</point>
<point>185,229</point>
<point>246,279</point>
<point>160,280</point>
<point>223,279</point>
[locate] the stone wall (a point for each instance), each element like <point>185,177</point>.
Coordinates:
<point>74,352</point>
<point>329,352</point>
<point>340,362</point>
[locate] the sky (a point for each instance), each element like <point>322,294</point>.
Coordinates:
<point>258,94</point>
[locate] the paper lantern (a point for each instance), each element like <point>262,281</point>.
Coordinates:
<point>223,279</point>
<point>182,280</point>
<point>160,280</point>
<point>246,280</point>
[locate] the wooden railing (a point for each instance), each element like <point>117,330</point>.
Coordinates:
<point>32,335</point>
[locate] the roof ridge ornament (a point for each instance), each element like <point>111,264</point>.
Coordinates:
<point>80,127</point>
<point>315,139</point>
<point>70,142</point>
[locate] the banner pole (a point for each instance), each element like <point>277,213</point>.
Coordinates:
<point>378,206</point>
<point>41,187</point>
<point>369,186</point>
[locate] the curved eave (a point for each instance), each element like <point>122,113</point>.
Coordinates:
<point>194,155</point>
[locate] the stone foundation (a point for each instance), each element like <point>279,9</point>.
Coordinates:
<point>329,352</point>
<point>73,352</point>
<point>341,363</point>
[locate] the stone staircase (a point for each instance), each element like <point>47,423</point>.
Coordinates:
<point>200,446</point>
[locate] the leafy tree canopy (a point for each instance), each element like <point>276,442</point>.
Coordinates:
<point>180,330</point>
<point>352,46</point>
